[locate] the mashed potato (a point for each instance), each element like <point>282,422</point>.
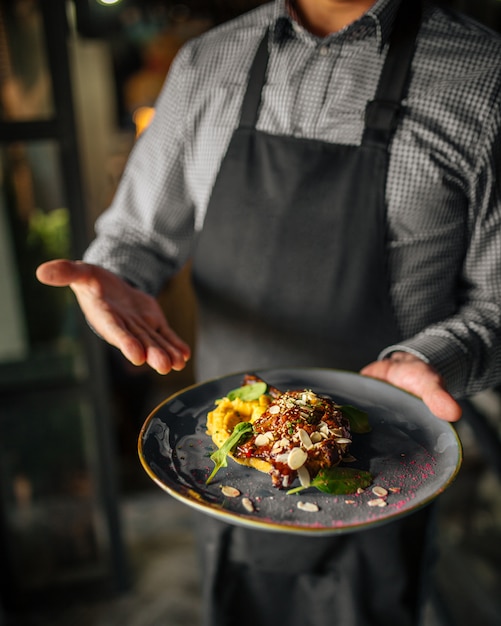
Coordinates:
<point>227,414</point>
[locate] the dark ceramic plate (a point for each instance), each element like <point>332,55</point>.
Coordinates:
<point>409,452</point>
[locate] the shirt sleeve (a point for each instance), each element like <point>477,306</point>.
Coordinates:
<point>466,348</point>
<point>146,234</point>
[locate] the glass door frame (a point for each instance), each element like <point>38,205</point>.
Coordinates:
<point>61,129</point>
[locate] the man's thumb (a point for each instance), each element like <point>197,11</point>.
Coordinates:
<point>60,273</point>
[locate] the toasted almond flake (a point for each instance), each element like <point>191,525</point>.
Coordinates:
<point>349,458</point>
<point>305,439</point>
<point>230,492</point>
<point>284,442</point>
<point>261,440</point>
<point>395,489</point>
<point>273,410</point>
<point>296,458</point>
<point>377,502</point>
<point>248,505</point>
<point>323,428</point>
<point>381,492</point>
<point>360,490</point>
<point>315,437</point>
<point>343,440</point>
<point>282,458</point>
<point>304,476</point>
<point>349,501</point>
<point>311,507</point>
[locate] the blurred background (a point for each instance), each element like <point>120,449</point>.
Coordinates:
<point>85,536</point>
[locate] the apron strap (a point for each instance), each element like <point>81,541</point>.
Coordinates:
<point>381,114</point>
<point>252,98</point>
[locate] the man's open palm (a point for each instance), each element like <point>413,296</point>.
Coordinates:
<point>125,317</point>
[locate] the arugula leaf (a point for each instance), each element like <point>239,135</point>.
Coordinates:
<point>241,431</point>
<point>247,393</point>
<point>359,420</point>
<point>338,481</point>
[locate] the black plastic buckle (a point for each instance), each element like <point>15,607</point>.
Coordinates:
<point>382,115</point>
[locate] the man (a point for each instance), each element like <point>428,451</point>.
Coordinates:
<point>330,167</point>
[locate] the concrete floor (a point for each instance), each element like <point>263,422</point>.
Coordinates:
<point>165,586</point>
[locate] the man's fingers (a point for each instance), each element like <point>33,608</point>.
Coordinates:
<point>142,344</point>
<point>377,369</point>
<point>442,404</point>
<point>414,375</point>
<point>179,351</point>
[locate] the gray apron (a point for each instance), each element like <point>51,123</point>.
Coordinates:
<point>290,270</point>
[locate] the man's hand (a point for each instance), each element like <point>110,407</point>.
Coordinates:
<point>125,317</point>
<point>414,375</point>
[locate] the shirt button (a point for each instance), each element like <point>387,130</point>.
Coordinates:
<point>323,51</point>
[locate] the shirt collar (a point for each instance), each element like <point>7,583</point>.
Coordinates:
<point>378,19</point>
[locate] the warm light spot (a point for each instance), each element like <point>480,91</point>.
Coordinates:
<point>108,2</point>
<point>142,117</point>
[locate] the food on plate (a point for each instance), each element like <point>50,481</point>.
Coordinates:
<point>293,434</point>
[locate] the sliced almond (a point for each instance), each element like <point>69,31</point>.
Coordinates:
<point>304,476</point>
<point>377,502</point>
<point>323,428</point>
<point>296,458</point>
<point>305,439</point>
<point>273,410</point>
<point>343,440</point>
<point>248,505</point>
<point>262,440</point>
<point>230,492</point>
<point>284,442</point>
<point>381,492</point>
<point>316,437</point>
<point>311,507</point>
<point>282,458</point>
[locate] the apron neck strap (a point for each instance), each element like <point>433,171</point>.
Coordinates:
<point>381,114</point>
<point>257,77</point>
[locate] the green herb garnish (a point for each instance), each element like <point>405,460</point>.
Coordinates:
<point>338,481</point>
<point>247,393</point>
<point>359,420</point>
<point>240,432</point>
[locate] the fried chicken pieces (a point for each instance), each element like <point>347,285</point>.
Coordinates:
<point>298,434</point>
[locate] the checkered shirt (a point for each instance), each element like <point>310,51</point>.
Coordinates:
<point>443,192</point>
